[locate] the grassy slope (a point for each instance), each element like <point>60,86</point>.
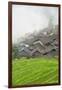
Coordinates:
<point>34,71</point>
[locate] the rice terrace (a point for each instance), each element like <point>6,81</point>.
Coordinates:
<point>35,45</point>
<point>35,71</point>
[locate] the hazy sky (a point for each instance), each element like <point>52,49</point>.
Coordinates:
<point>26,19</point>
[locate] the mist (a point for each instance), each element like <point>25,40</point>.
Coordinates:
<point>28,19</point>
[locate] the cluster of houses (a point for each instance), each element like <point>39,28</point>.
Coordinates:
<point>42,44</point>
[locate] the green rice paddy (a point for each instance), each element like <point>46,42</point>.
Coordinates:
<point>41,70</point>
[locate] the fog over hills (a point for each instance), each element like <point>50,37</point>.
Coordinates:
<point>29,19</point>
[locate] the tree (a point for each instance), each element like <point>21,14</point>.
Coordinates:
<point>14,51</point>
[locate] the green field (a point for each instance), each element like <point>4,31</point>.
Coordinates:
<point>34,71</point>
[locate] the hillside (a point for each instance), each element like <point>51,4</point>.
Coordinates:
<point>42,43</point>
